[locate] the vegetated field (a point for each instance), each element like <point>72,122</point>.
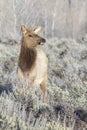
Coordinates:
<point>22,109</point>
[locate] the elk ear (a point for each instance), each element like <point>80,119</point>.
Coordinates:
<point>37,30</point>
<point>23,29</point>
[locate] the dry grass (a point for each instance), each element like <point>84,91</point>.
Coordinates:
<point>21,107</point>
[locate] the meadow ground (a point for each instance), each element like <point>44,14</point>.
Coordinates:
<point>21,109</point>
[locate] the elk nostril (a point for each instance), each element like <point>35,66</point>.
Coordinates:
<point>43,40</point>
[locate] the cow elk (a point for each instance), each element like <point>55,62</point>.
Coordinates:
<point>33,62</point>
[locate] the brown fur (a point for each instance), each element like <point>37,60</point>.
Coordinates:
<point>27,58</point>
<point>32,61</point>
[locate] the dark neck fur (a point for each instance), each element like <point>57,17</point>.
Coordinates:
<point>27,58</point>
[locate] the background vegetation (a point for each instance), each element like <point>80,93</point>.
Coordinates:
<point>21,108</point>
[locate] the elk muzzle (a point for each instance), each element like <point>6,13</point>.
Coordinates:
<point>42,41</point>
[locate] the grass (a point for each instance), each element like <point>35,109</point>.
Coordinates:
<point>21,108</point>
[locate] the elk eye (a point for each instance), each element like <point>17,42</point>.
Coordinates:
<point>30,35</point>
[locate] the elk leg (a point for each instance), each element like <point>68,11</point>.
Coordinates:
<point>20,74</point>
<point>44,90</point>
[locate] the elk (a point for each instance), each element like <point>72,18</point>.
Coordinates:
<point>33,62</point>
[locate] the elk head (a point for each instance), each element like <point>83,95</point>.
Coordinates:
<point>30,37</point>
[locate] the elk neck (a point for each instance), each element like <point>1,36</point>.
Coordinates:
<point>27,58</point>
